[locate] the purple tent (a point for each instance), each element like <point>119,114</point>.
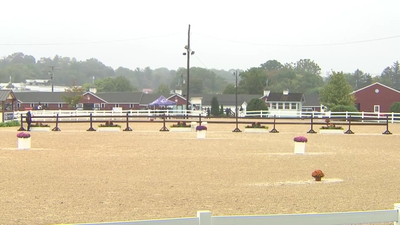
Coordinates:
<point>162,101</point>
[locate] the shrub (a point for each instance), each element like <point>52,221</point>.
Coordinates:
<point>13,123</point>
<point>344,108</point>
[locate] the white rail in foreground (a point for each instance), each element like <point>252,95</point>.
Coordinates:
<point>337,218</point>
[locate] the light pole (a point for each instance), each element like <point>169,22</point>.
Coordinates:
<point>188,53</point>
<point>236,106</point>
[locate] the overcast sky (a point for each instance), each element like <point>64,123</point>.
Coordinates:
<point>340,35</point>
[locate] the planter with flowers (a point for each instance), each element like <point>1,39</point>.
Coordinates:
<point>40,127</point>
<point>256,127</point>
<point>201,131</point>
<point>109,126</point>
<point>317,174</point>
<point>330,128</point>
<point>24,141</point>
<point>300,144</point>
<point>181,126</point>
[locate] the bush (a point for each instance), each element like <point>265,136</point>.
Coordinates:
<point>14,123</point>
<point>395,107</point>
<point>256,104</point>
<point>344,108</point>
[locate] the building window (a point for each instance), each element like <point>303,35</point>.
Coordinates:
<point>132,106</point>
<point>103,105</point>
<point>294,106</point>
<point>116,105</point>
<point>96,105</point>
<point>31,105</point>
<point>377,108</point>
<point>280,105</point>
<point>80,105</point>
<point>18,105</point>
<point>287,105</point>
<point>273,105</point>
<point>60,105</point>
<point>46,105</point>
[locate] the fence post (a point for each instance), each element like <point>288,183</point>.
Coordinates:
<point>21,128</point>
<point>274,130</point>
<point>91,123</point>
<point>56,128</point>
<point>349,130</point>
<point>387,126</point>
<point>200,119</point>
<point>164,128</point>
<point>127,123</point>
<point>312,131</point>
<point>397,207</point>
<point>204,217</point>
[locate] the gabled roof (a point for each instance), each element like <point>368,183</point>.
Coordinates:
<point>148,98</point>
<point>280,97</point>
<point>376,83</point>
<point>311,100</point>
<point>35,97</point>
<point>119,97</point>
<point>4,94</point>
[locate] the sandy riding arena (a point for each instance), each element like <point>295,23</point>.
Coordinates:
<point>76,176</point>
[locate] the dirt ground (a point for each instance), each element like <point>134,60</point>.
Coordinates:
<point>76,176</point>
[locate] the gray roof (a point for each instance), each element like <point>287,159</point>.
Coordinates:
<point>311,100</point>
<point>280,97</point>
<point>119,97</point>
<point>226,99</point>
<point>35,97</point>
<point>4,94</point>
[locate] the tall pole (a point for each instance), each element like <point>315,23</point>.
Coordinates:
<point>236,106</point>
<point>187,71</point>
<point>51,76</point>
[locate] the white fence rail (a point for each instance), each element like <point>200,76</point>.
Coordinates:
<point>367,116</point>
<point>337,218</point>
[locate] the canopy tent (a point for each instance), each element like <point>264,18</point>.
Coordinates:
<point>161,101</point>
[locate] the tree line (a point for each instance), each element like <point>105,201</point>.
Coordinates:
<point>303,76</point>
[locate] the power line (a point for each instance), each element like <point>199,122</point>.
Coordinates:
<point>304,45</point>
<point>89,42</point>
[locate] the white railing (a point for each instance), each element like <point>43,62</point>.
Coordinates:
<point>363,116</point>
<point>337,218</point>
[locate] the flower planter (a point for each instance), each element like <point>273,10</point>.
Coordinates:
<point>299,147</point>
<point>331,131</point>
<point>109,129</point>
<point>201,134</point>
<point>24,143</point>
<point>256,130</point>
<point>40,129</point>
<point>180,129</point>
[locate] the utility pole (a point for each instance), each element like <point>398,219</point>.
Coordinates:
<point>188,53</point>
<point>51,73</point>
<point>236,104</point>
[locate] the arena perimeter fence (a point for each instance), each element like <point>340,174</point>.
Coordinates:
<point>129,117</point>
<point>336,218</point>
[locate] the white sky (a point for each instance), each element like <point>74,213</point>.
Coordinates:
<point>224,34</point>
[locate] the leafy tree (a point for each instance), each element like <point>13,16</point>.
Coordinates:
<point>358,79</point>
<point>256,104</point>
<point>163,90</point>
<point>229,89</point>
<point>344,108</point>
<point>395,107</point>
<point>272,65</point>
<point>214,106</point>
<point>73,95</point>
<point>391,76</point>
<point>253,81</point>
<point>337,92</point>
<point>117,84</point>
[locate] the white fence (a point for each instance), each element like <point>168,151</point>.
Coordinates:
<point>367,116</point>
<point>338,218</point>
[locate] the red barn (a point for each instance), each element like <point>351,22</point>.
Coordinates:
<point>376,97</point>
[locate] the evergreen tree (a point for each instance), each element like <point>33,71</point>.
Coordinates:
<point>337,92</point>
<point>214,106</point>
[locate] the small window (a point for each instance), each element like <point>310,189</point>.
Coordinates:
<point>31,105</point>
<point>273,105</point>
<point>60,105</point>
<point>294,106</point>
<point>96,105</point>
<point>280,105</point>
<point>116,105</point>
<point>287,105</point>
<point>46,105</point>
<point>377,108</point>
<point>132,106</point>
<point>18,105</point>
<point>103,105</point>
